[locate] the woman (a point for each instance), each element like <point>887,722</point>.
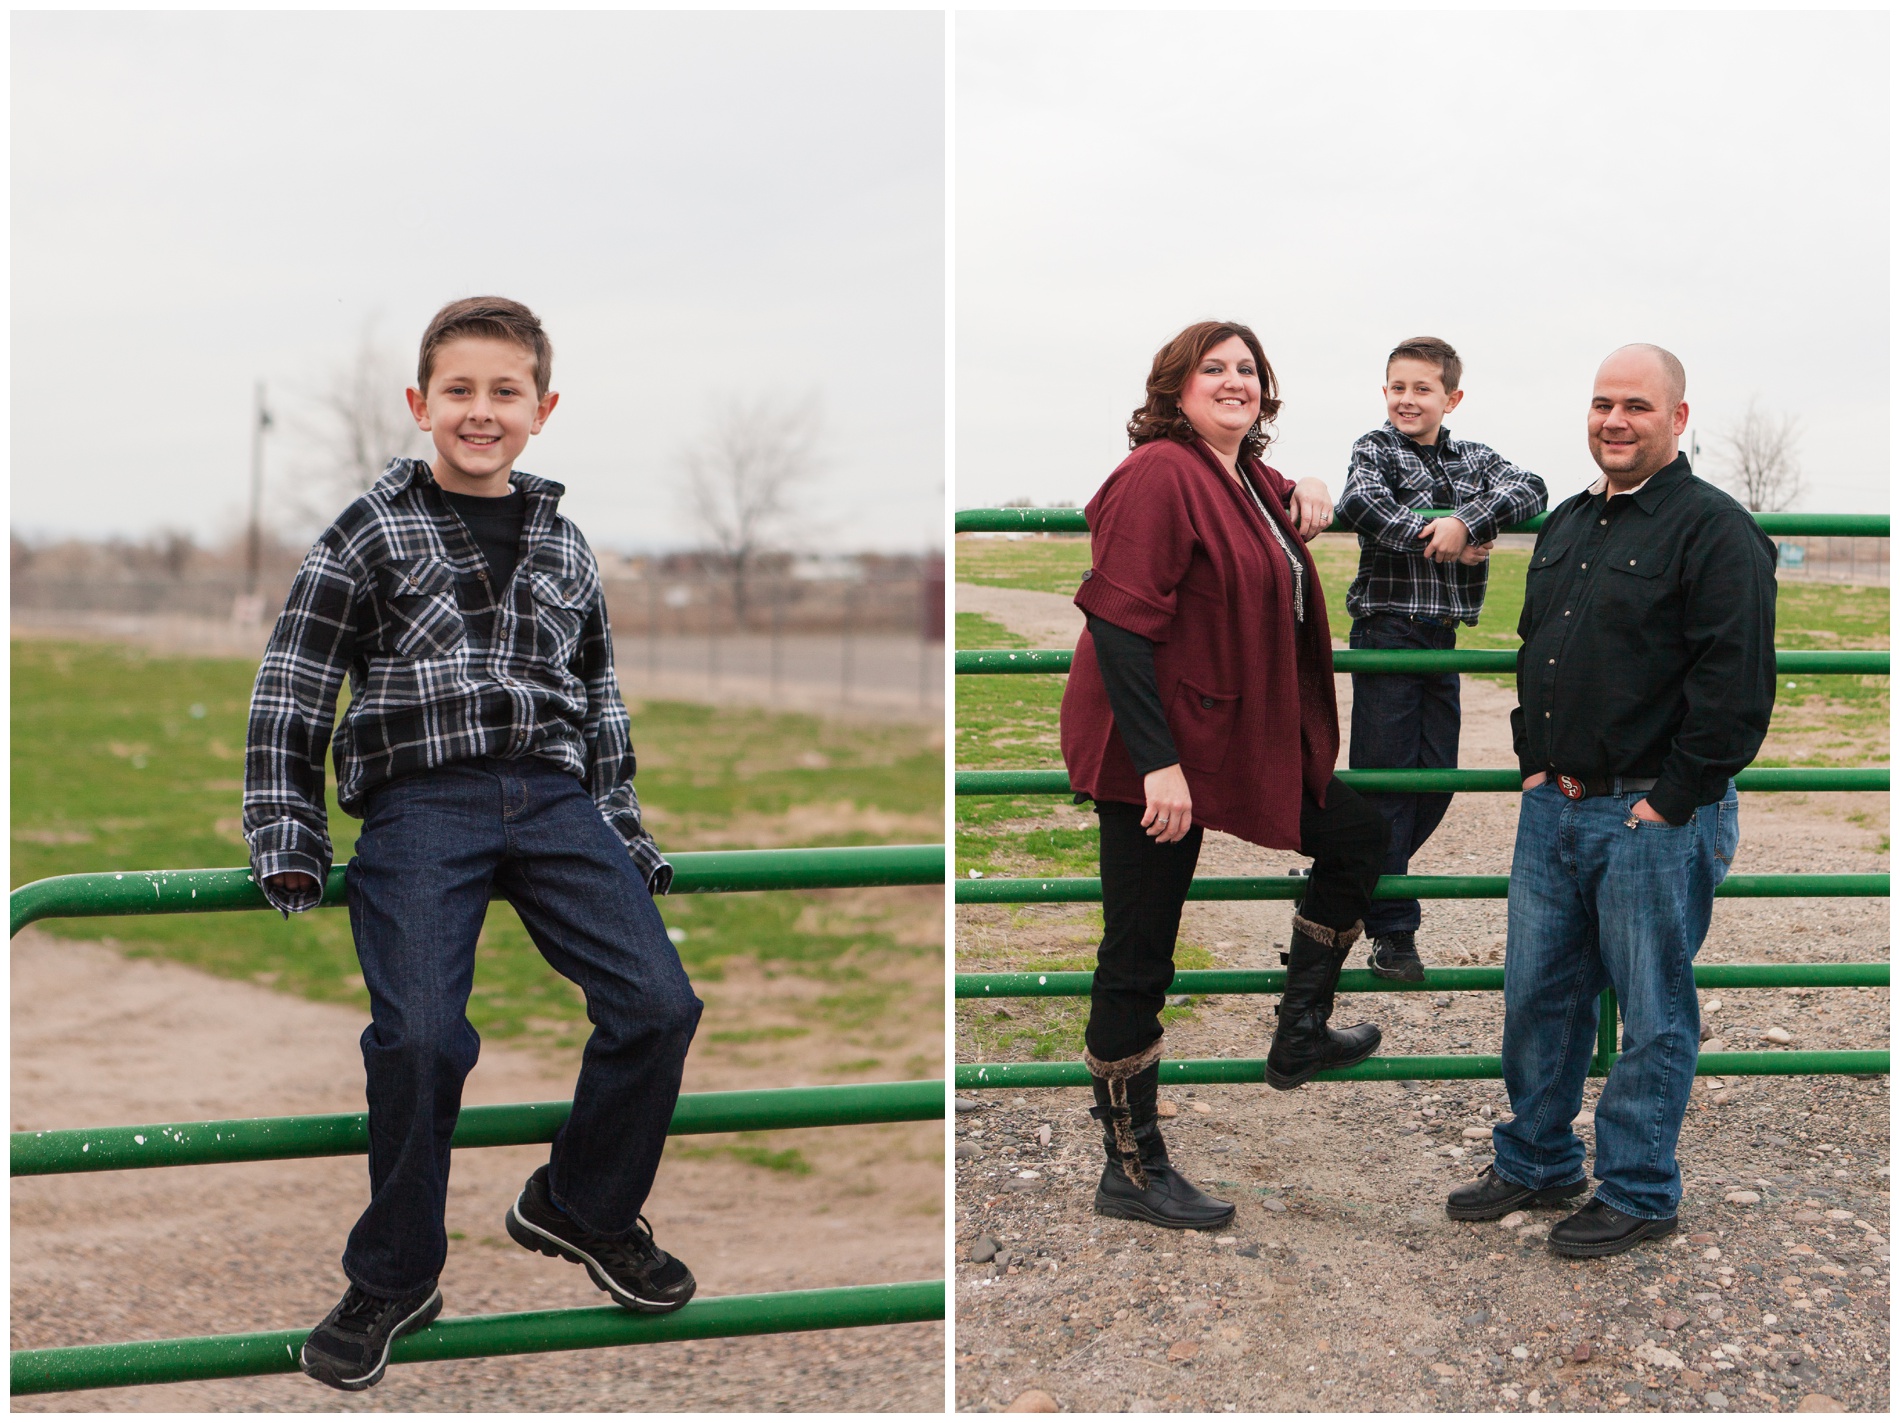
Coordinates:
<point>1202,695</point>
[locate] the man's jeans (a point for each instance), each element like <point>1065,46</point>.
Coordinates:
<point>1598,904</point>
<point>432,846</point>
<point>1400,721</point>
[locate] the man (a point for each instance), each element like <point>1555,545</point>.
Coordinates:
<point>1645,682</point>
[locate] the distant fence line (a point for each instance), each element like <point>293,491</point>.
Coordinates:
<point>661,605</point>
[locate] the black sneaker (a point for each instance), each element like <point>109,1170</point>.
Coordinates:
<point>1395,956</point>
<point>350,1349</point>
<point>632,1269</point>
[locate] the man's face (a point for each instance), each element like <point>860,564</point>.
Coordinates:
<point>1633,423</point>
<point>1416,401</point>
<point>479,411</point>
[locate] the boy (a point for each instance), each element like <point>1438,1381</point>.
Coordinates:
<point>485,748</point>
<point>1417,580</point>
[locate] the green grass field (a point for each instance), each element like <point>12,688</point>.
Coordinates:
<point>123,760</point>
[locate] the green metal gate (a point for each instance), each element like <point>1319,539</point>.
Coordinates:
<point>1079,890</point>
<point>343,1134</point>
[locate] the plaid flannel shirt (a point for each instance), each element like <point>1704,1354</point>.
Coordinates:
<point>443,667</point>
<point>1389,480</point>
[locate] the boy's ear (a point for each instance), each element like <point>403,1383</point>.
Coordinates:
<point>1451,401</point>
<point>543,408</point>
<point>418,407</point>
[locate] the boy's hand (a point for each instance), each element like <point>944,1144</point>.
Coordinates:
<point>1446,538</point>
<point>293,882</point>
<point>1476,553</point>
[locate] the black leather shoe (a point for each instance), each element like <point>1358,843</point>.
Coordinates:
<point>1598,1229</point>
<point>1491,1196</point>
<point>350,1349</point>
<point>1395,956</point>
<point>1171,1199</point>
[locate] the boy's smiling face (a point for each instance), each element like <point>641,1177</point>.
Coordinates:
<point>480,408</point>
<point>1416,401</point>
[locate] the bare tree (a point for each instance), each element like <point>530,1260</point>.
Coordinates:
<point>744,479</point>
<point>1759,452</point>
<point>359,424</point>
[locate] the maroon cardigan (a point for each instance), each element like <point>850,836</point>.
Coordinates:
<point>1180,556</point>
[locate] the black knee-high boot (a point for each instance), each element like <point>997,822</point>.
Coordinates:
<point>1303,1044</point>
<point>1137,1181</point>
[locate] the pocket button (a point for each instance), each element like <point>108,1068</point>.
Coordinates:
<point>1207,704</point>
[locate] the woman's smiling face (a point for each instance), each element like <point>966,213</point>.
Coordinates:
<point>1221,397</point>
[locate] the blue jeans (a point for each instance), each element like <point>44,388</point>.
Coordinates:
<point>432,846</point>
<point>1403,722</point>
<point>1596,904</point>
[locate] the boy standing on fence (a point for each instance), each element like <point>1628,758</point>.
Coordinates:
<point>1418,579</point>
<point>486,750</point>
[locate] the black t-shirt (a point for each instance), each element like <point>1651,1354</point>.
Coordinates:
<point>496,525</point>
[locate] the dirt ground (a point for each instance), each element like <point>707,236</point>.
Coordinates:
<point>1341,1286</point>
<point>100,1039</point>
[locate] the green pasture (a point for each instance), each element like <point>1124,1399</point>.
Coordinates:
<point>125,760</point>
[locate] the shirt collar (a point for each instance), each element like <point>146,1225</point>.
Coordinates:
<point>400,474</point>
<point>1441,448</point>
<point>1653,489</point>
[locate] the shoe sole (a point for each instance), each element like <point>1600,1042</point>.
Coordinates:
<point>1288,1083</point>
<point>1131,1210</point>
<point>530,1236</point>
<point>316,1368</point>
<point>1549,1196</point>
<point>1651,1230</point>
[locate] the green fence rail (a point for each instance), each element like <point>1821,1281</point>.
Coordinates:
<point>1757,778</point>
<point>979,1076</point>
<point>1072,521</point>
<point>1089,891</point>
<point>49,1153</point>
<point>694,872</point>
<point>280,1138</point>
<point>1067,984</point>
<point>155,1361</point>
<point>993,661</point>
<point>1044,660</point>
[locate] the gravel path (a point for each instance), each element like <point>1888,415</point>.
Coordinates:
<point>100,1039</point>
<point>1341,1285</point>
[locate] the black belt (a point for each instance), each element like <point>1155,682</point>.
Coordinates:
<point>1583,787</point>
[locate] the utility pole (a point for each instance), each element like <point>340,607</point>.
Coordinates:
<point>253,549</point>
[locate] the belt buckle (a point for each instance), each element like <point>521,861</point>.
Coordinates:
<point>1571,787</point>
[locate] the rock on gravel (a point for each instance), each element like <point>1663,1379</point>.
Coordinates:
<point>1033,1400</point>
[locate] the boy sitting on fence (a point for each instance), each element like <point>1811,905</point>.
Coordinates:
<point>486,750</point>
<point>1417,580</point>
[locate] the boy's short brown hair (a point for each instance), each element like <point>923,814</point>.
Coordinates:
<point>1432,351</point>
<point>495,317</point>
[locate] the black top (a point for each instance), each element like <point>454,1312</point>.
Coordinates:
<point>496,525</point>
<point>1127,662</point>
<point>1649,640</point>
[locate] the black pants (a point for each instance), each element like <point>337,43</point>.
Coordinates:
<point>1145,884</point>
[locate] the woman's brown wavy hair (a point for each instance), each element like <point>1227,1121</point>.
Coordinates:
<point>1160,417</point>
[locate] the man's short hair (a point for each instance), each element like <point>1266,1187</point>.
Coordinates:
<point>1432,351</point>
<point>496,318</point>
<point>1673,373</point>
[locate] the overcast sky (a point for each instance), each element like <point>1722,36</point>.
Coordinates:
<point>1535,188</point>
<point>703,209</point>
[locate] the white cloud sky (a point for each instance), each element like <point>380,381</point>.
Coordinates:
<point>1535,188</point>
<point>703,208</point>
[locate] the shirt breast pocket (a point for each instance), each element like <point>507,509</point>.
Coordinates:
<point>560,613</point>
<point>425,618</point>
